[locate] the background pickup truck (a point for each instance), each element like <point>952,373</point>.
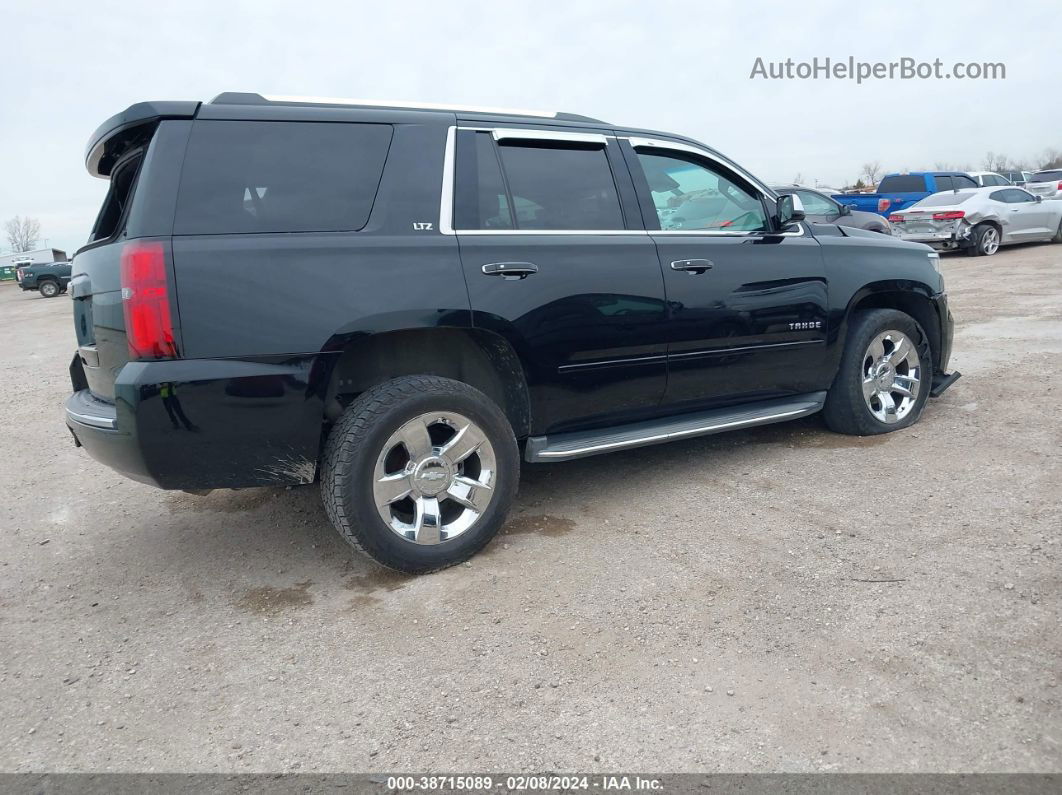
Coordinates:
<point>899,191</point>
<point>50,278</point>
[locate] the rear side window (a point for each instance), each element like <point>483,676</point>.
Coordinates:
<point>534,184</point>
<point>280,177</point>
<point>560,187</point>
<point>962,181</point>
<point>902,183</point>
<point>944,183</point>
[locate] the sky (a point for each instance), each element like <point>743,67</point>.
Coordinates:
<point>683,67</point>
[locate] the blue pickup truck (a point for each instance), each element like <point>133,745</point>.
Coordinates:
<point>900,191</point>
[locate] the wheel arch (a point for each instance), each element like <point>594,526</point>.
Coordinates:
<point>911,298</point>
<point>477,357</point>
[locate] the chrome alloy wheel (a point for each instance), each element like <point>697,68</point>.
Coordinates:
<point>892,375</point>
<point>990,241</point>
<point>434,477</point>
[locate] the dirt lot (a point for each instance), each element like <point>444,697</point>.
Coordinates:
<point>773,599</point>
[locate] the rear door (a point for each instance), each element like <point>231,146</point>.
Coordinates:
<point>747,303</point>
<point>545,221</point>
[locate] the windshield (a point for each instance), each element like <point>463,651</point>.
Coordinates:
<point>1046,176</point>
<point>943,199</point>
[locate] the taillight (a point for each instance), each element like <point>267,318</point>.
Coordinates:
<point>896,218</point>
<point>1059,186</point>
<point>950,215</point>
<point>883,204</point>
<point>146,301</point>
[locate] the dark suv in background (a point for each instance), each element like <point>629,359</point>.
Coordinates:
<point>403,301</point>
<point>48,278</point>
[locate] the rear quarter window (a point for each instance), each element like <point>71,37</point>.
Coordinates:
<point>242,177</point>
<point>903,183</point>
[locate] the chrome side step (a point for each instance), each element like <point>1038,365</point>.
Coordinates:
<point>577,444</point>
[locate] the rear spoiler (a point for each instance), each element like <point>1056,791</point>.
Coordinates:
<point>128,129</point>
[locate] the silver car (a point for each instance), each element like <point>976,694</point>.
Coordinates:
<point>979,220</point>
<point>820,208</point>
<point>1046,183</point>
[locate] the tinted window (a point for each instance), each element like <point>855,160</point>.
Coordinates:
<point>689,195</point>
<point>963,181</point>
<point>560,186</point>
<point>480,197</point>
<point>814,204</point>
<point>1015,196</point>
<point>280,176</point>
<point>1046,176</point>
<point>902,183</point>
<point>943,199</point>
<point>944,183</point>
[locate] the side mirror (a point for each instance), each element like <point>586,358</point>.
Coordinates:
<point>790,209</point>
<point>1038,199</point>
<point>846,209</point>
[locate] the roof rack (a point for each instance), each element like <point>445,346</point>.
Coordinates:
<point>242,98</point>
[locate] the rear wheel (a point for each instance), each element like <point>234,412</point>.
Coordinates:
<point>1058,234</point>
<point>48,288</point>
<point>883,382</point>
<point>419,473</point>
<point>985,241</point>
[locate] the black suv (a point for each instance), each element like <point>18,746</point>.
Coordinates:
<point>403,301</point>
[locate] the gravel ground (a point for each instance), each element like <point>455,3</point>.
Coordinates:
<point>774,599</point>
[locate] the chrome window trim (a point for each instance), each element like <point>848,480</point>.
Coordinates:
<point>446,208</point>
<point>506,133</point>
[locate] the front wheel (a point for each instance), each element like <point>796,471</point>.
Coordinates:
<point>1058,234</point>
<point>884,378</point>
<point>419,473</point>
<point>48,289</point>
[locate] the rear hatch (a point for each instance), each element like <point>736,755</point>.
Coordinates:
<point>138,152</point>
<point>938,216</point>
<point>1045,183</point>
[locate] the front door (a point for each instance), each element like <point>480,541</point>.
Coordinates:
<point>747,302</point>
<point>553,265</point>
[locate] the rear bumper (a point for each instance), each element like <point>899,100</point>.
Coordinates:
<point>950,240</point>
<point>202,424</point>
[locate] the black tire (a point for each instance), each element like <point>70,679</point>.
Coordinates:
<point>356,442</point>
<point>979,239</point>
<point>48,288</point>
<point>1058,234</point>
<point>846,411</point>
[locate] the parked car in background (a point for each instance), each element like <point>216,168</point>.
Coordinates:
<point>820,208</point>
<point>1046,184</point>
<point>48,278</point>
<point>1018,178</point>
<point>989,179</point>
<point>897,191</point>
<point>979,221</point>
<point>419,297</point>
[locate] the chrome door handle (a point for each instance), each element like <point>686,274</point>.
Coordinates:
<point>692,265</point>
<point>510,270</point>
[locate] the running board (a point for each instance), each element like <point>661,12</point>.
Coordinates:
<point>577,444</point>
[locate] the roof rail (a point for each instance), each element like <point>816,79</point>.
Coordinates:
<point>242,98</point>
